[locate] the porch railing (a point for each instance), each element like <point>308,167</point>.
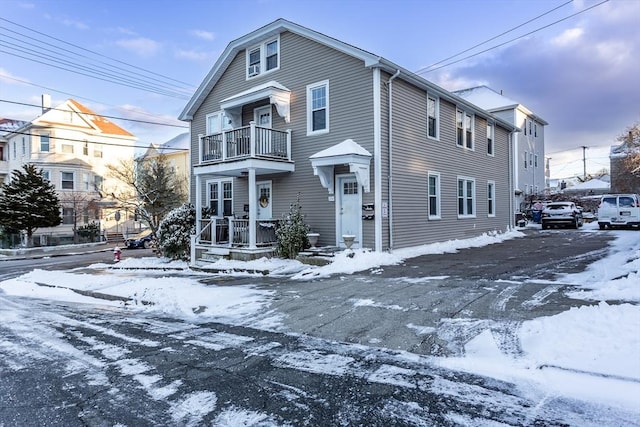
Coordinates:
<point>245,142</point>
<point>238,229</point>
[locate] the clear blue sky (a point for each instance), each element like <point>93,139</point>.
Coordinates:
<point>580,74</point>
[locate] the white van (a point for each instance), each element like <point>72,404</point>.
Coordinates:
<point>619,210</point>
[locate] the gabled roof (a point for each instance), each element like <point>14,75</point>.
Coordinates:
<point>492,101</point>
<point>105,126</point>
<point>175,144</point>
<point>370,60</point>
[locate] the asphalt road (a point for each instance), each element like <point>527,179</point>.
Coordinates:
<point>334,360</point>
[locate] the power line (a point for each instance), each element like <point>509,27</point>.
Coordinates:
<point>101,115</point>
<point>72,95</point>
<point>96,53</point>
<point>516,38</point>
<point>96,142</point>
<point>425,69</point>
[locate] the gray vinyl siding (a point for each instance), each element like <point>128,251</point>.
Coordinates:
<point>415,155</point>
<point>304,62</point>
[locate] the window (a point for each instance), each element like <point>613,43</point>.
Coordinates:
<point>464,124</point>
<point>535,161</point>
<point>318,108</point>
<point>535,129</point>
<point>44,142</point>
<point>85,181</point>
<point>530,159</point>
<point>97,183</point>
<point>46,175</point>
<point>263,58</point>
<point>466,197</point>
<point>97,150</point>
<point>67,147</point>
<point>85,148</point>
<point>15,153</point>
<point>491,198</point>
<point>529,127</point>
<point>434,195</point>
<point>432,116</point>
<point>67,215</point>
<point>525,159</point>
<point>490,132</point>
<point>217,122</point>
<point>67,181</point>
<point>525,126</point>
<point>220,198</point>
<point>24,147</point>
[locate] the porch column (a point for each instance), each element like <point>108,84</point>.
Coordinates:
<point>253,209</point>
<point>198,204</point>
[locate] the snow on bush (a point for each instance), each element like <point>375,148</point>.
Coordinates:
<point>175,230</point>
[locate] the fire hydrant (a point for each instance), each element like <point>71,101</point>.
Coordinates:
<point>116,254</point>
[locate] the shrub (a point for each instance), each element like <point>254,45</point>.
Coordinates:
<point>175,230</point>
<point>292,232</point>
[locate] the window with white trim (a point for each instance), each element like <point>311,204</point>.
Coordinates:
<point>220,197</point>
<point>466,197</point>
<point>67,180</point>
<point>525,159</point>
<point>433,112</point>
<point>85,148</point>
<point>46,175</point>
<point>318,108</point>
<point>464,125</point>
<point>68,215</point>
<point>433,185</point>
<point>45,144</point>
<point>24,147</point>
<point>490,136</point>
<point>263,58</point>
<point>535,160</point>
<point>97,150</point>
<point>97,182</point>
<point>85,181</point>
<point>67,147</point>
<point>491,198</point>
<point>217,122</point>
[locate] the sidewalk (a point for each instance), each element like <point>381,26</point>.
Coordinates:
<point>54,251</point>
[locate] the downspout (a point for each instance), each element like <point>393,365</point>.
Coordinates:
<point>390,89</point>
<point>512,188</point>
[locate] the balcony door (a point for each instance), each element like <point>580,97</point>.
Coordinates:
<point>262,117</point>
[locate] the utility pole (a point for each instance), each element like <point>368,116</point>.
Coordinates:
<point>584,163</point>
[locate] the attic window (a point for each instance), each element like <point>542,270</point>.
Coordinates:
<point>263,58</point>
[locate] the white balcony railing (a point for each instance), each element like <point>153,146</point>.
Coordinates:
<point>246,142</point>
<point>238,229</point>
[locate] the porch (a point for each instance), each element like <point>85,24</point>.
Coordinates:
<point>231,237</point>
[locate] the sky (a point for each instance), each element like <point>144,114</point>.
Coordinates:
<point>556,350</point>
<point>579,73</point>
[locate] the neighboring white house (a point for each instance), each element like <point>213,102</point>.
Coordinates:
<point>73,146</point>
<point>176,151</point>
<point>528,145</point>
<point>6,127</point>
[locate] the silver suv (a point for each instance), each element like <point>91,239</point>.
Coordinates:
<point>619,210</point>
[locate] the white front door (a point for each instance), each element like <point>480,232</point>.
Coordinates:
<point>349,209</point>
<point>262,118</point>
<point>264,199</point>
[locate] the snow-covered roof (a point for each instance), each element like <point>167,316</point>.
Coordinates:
<point>592,184</point>
<point>10,125</point>
<point>178,143</point>
<point>492,101</point>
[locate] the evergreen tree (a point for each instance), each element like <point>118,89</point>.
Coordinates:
<point>292,232</point>
<point>174,233</point>
<point>28,202</point>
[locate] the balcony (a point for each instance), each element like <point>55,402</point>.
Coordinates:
<point>247,142</point>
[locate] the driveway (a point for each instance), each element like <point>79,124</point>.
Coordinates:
<point>434,304</point>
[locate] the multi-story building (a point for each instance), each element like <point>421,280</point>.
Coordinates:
<point>373,151</point>
<point>529,173</point>
<point>72,145</point>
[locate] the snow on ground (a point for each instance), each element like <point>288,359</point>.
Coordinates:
<point>589,352</point>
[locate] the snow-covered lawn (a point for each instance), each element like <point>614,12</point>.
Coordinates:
<point>590,353</point>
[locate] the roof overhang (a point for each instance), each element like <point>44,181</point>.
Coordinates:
<point>347,152</point>
<point>277,94</point>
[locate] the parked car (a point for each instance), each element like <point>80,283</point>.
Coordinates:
<point>619,210</point>
<point>144,239</point>
<point>561,213</point>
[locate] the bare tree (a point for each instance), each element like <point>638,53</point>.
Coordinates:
<point>151,188</point>
<point>80,203</point>
<point>625,164</point>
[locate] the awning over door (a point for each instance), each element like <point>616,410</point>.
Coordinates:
<point>277,94</point>
<point>348,152</point>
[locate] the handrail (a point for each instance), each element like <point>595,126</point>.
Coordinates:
<point>246,142</point>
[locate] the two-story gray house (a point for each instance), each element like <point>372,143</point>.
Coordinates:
<point>371,149</point>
